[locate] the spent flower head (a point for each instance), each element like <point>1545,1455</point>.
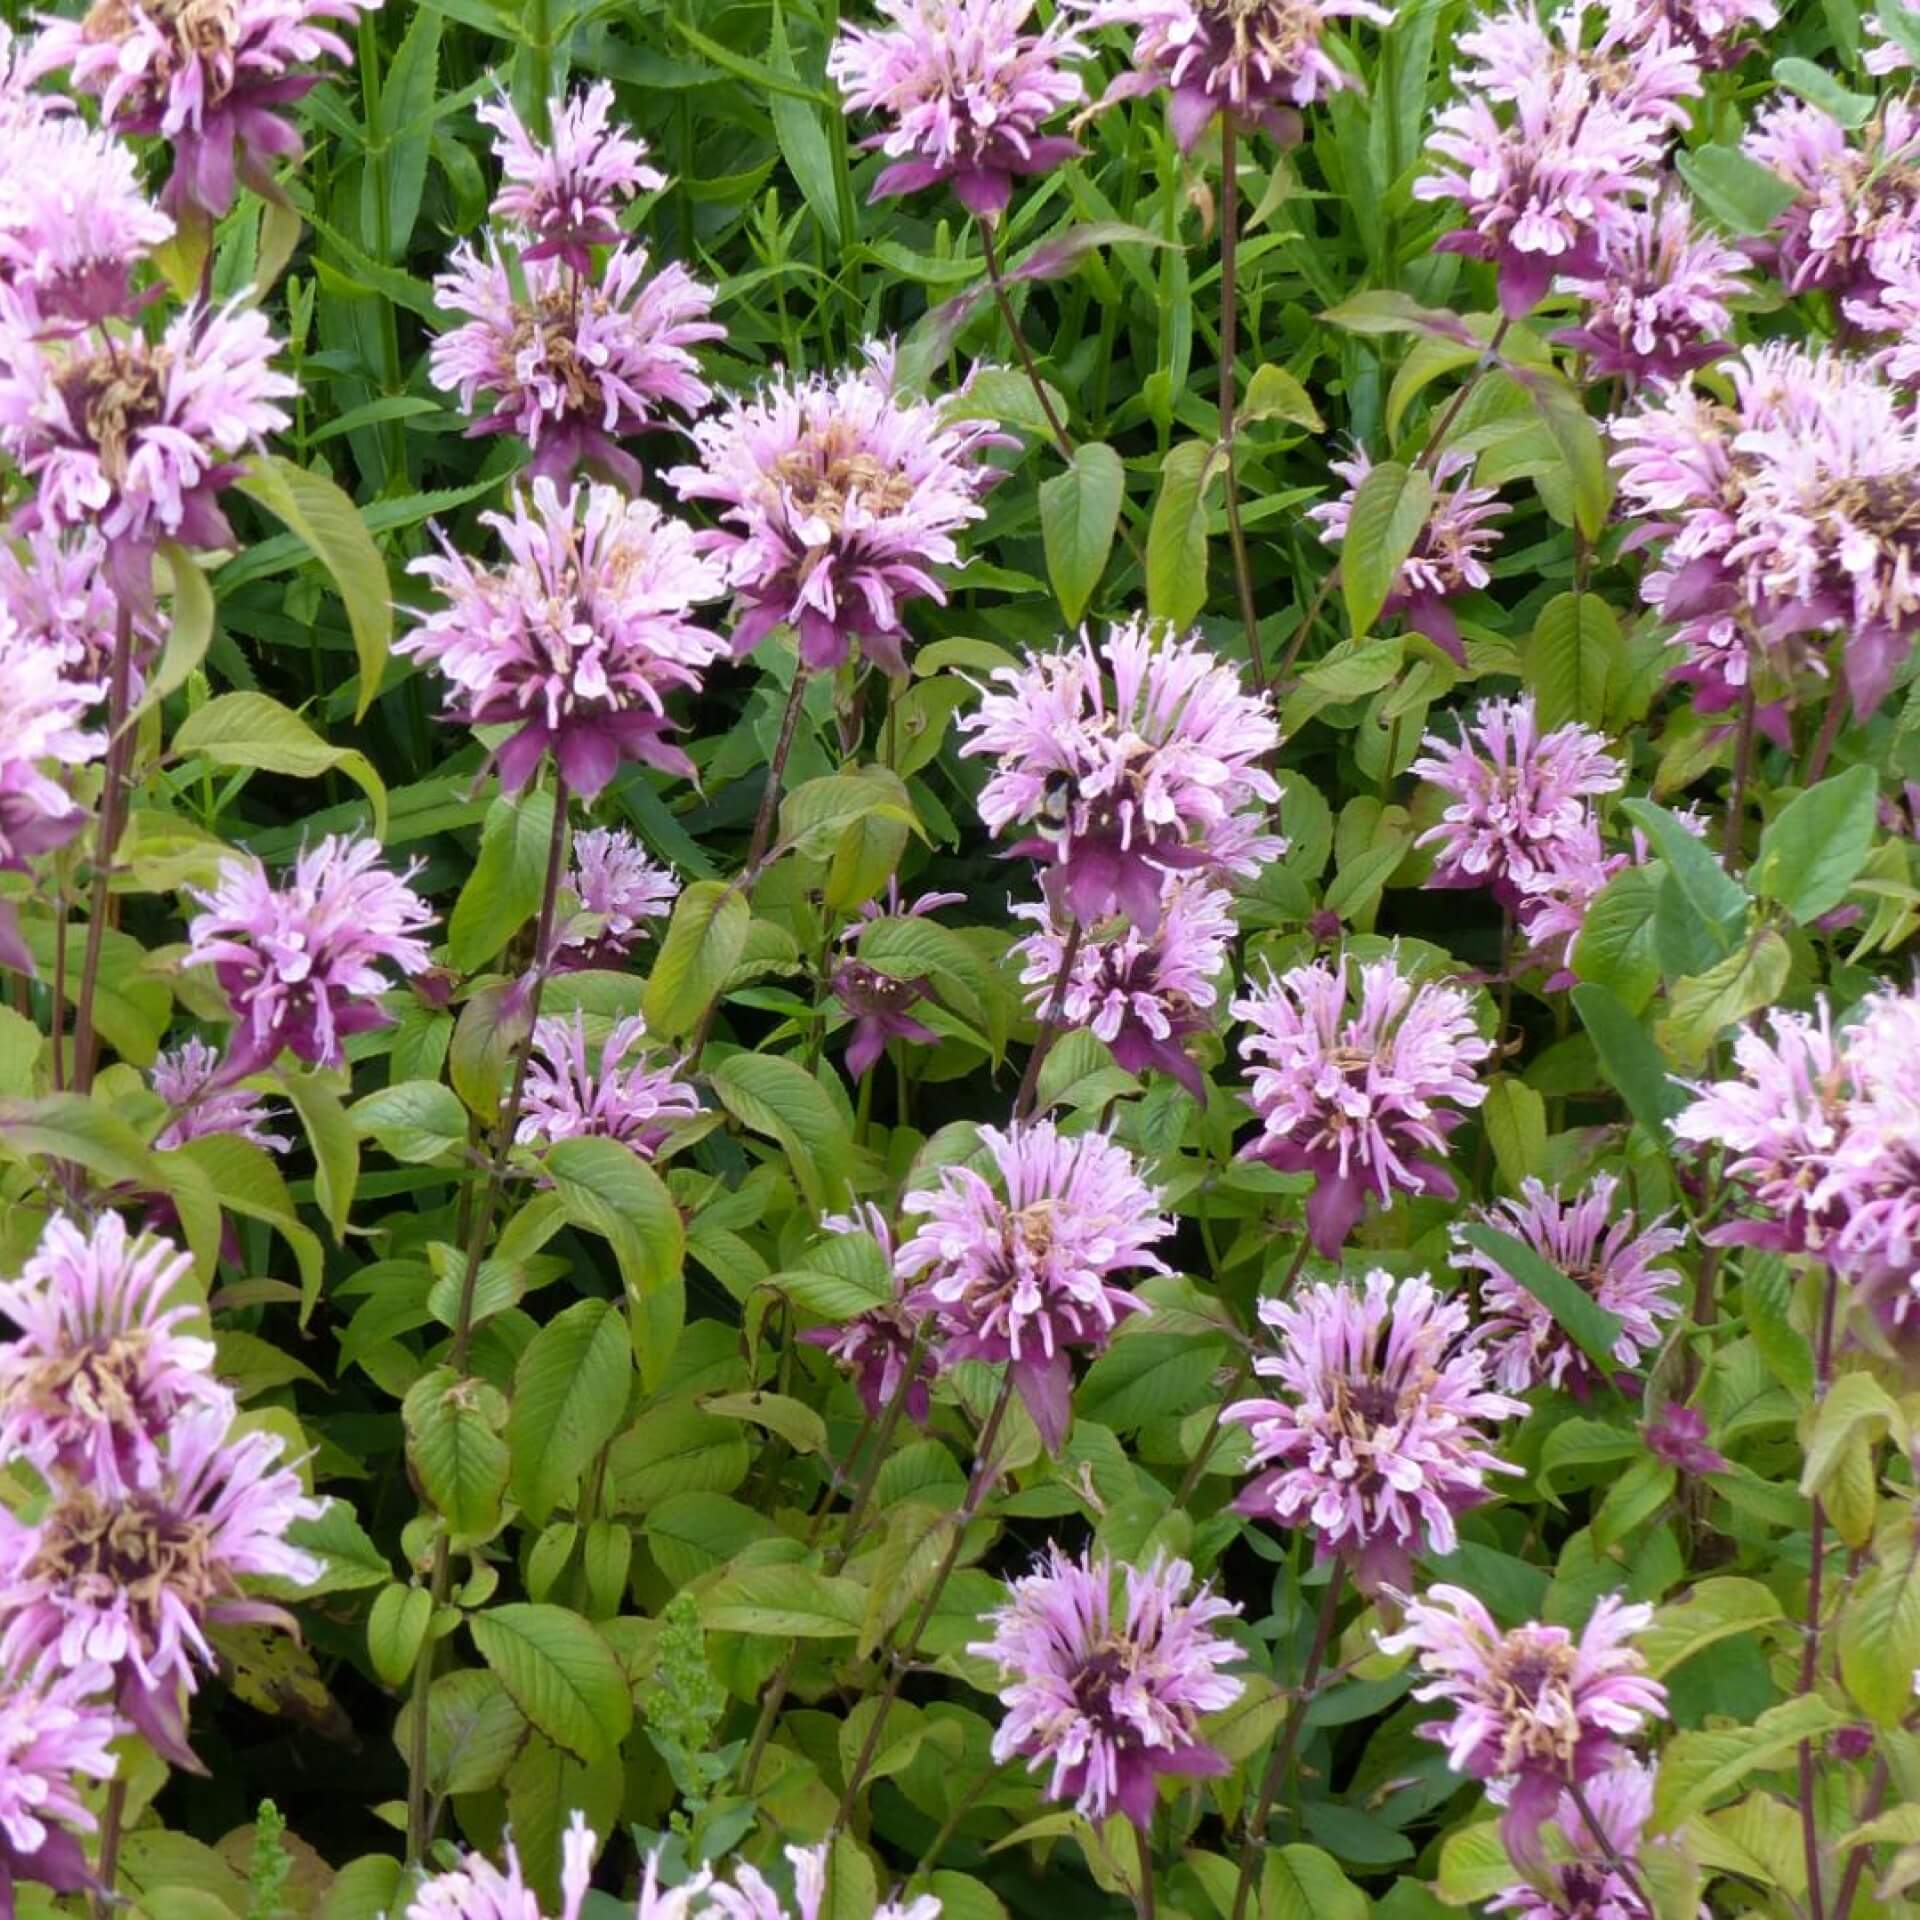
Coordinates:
<point>1380,1440</point>
<point>1107,1699</point>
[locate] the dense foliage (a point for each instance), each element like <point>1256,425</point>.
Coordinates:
<point>959,961</point>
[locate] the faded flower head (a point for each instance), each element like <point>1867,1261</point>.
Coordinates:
<point>1380,1441</point>
<point>838,498</point>
<point>621,1097</point>
<point>1108,1699</point>
<point>1137,759</point>
<point>577,638</point>
<point>565,191</point>
<point>207,77</point>
<point>100,1364</point>
<point>132,1580</point>
<point>573,368</point>
<point>1362,1097</point>
<point>1263,60</point>
<point>1517,795</point>
<point>1612,1260</point>
<point>1679,1437</point>
<point>1534,1710</point>
<point>966,89</point>
<point>1446,560</point>
<point>1855,224</point>
<point>1023,1269</point>
<point>619,889</point>
<point>302,964</point>
<point>74,223</point>
<point>1142,992</point>
<point>1657,306</point>
<point>877,1346</point>
<point>134,437</point>
<point>55,1732</point>
<point>43,705</point>
<point>203,1102</point>
<point>1781,1119</point>
<point>1584,1885</point>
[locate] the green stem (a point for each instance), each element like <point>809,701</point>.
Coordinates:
<point>112,1819</point>
<point>998,284</point>
<point>1143,1894</point>
<point>1049,1025</point>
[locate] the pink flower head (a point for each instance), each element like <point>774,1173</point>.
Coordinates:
<point>55,1731</point>
<point>99,1366</point>
<point>565,192</point>
<point>634,1101</point>
<point>203,1102</point>
<point>1657,307</point>
<point>208,81</point>
<point>1553,144</point>
<point>1518,795</point>
<point>1554,901</point>
<point>1870,1194</point>
<point>1856,222</point>
<point>130,1580</point>
<point>74,224</point>
<point>839,498</point>
<point>1534,1710</point>
<point>1679,1437</point>
<point>1108,1705</point>
<point>1022,1270</point>
<point>1717,33</point>
<point>1781,1121</point>
<point>572,368</point>
<point>877,1346</point>
<point>619,889</point>
<point>1262,60</point>
<point>1446,560</point>
<point>1891,311</point>
<point>477,1890</point>
<point>1133,760</point>
<point>1584,1885</point>
<point>578,638</point>
<point>1140,992</point>
<point>1603,1253</point>
<point>750,1897</point>
<point>1379,1443</point>
<point>54,588</point>
<point>1361,1097</point>
<point>42,705</point>
<point>137,438</point>
<point>966,89</point>
<point>300,963</point>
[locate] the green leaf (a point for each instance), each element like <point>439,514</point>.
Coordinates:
<point>503,891</point>
<point>348,1558</point>
<point>1588,1324</point>
<point>703,942</point>
<point>1147,1376</point>
<point>1880,1639</point>
<point>865,857</point>
<point>689,1534</point>
<point>397,1630</point>
<point>1177,533</point>
<point>1813,850</point>
<point>787,1603</point>
<point>803,142</point>
<point>189,627</point>
<point>455,1448</point>
<point>75,1127</point>
<point>1818,88</point>
<point>1515,1117</point>
<point>562,1675</point>
<point>675,1450</point>
<point>249,730</point>
<point>815,815</point>
<point>1079,514</point>
<point>845,1275</point>
<point>1696,1769</point>
<point>1303,1883</point>
<point>1901,24</point>
<point>1629,1059</point>
<point>413,1120</point>
<point>336,1147</point>
<point>245,1181</point>
<point>1855,1412</point>
<point>1575,660</point>
<point>474,1731</point>
<point>1389,514</point>
<point>1564,414</point>
<point>1581,1443</point>
<point>777,1097</point>
<point>310,505</point>
<point>1705,1005</point>
<point>131,1009</point>
<point>1717,899</point>
<point>793,1420</point>
<point>1274,394</point>
<point>569,1396</point>
<point>1381,310</point>
<point>1705,1614</point>
<point>1738,192</point>
<point>1616,949</point>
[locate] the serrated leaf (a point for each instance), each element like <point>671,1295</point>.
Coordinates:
<point>1177,533</point>
<point>1712,1611</point>
<point>455,1447</point>
<point>1575,660</point>
<point>787,1602</point>
<point>569,1397</point>
<point>562,1675</point>
<point>1629,1059</point>
<point>1696,1769</point>
<point>703,944</point>
<point>1737,191</point>
<point>503,891</point>
<point>397,1630</point>
<point>1389,514</point>
<point>1879,1639</point>
<point>413,1120</point>
<point>1275,394</point>
<point>1812,851</point>
<point>249,730</point>
<point>1705,1005</point>
<point>1515,1117</point>
<point>777,1097</point>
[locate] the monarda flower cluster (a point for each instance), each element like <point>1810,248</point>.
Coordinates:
<point>1137,759</point>
<point>838,497</point>
<point>156,1513</point>
<point>572,360</point>
<point>1790,515</point>
<point>967,88</point>
<point>620,1093</point>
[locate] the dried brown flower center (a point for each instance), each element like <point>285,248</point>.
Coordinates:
<point>133,1547</point>
<point>114,396</point>
<point>826,478</point>
<point>97,1384</point>
<point>1531,1680</point>
<point>1884,505</point>
<point>204,30</point>
<point>1093,1686</point>
<point>552,325</point>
